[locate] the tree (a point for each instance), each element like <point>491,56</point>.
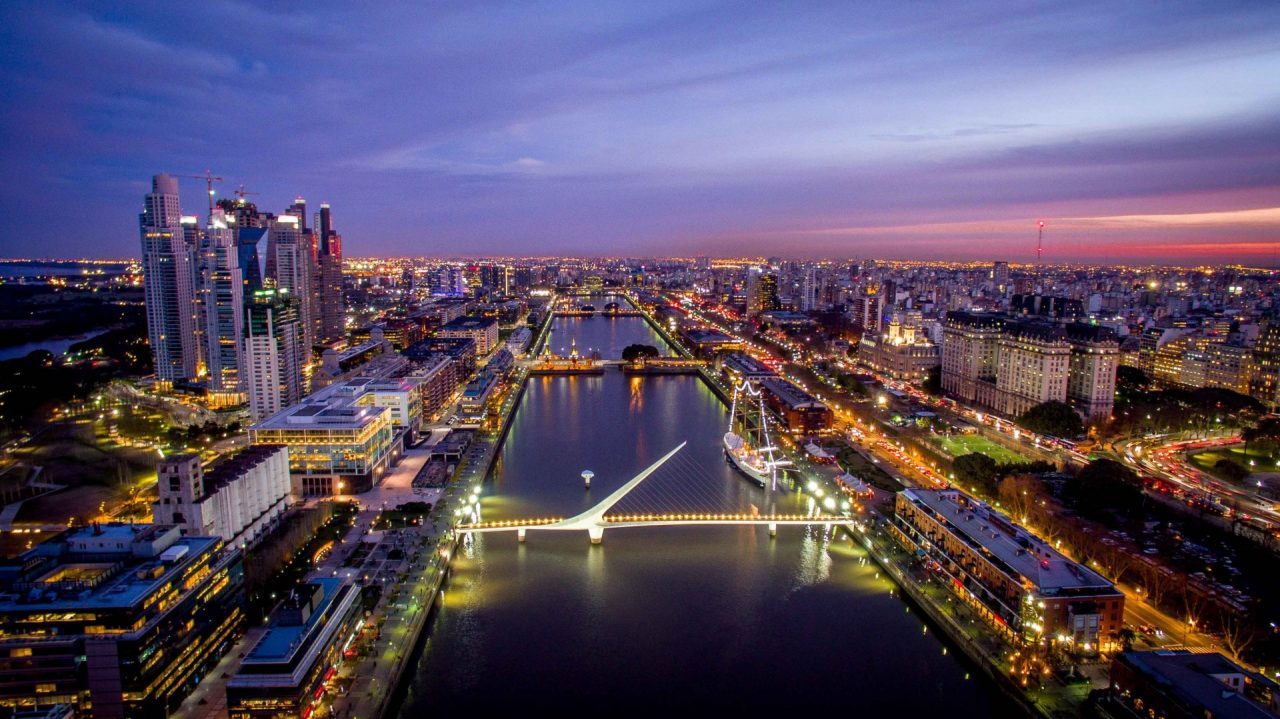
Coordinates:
<point>977,470</point>
<point>1231,469</point>
<point>1156,580</point>
<point>1266,433</point>
<point>1104,486</point>
<point>1131,379</point>
<point>1053,418</point>
<point>1021,494</point>
<point>1239,632</point>
<point>634,352</point>
<point>1127,635</point>
<point>933,381</point>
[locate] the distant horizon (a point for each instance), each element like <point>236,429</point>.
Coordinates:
<point>1013,264</point>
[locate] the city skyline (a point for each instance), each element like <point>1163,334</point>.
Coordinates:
<point>1138,134</point>
<point>929,355</point>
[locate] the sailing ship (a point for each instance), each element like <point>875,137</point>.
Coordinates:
<point>753,455</point>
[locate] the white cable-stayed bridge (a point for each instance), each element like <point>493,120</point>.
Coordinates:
<point>599,517</point>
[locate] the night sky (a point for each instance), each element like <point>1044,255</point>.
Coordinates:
<point>1137,130</point>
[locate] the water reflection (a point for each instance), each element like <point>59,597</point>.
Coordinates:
<point>697,618</point>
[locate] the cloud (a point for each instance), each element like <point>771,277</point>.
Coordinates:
<point>652,127</point>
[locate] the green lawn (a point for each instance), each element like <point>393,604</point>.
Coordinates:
<point>1263,461</point>
<point>961,444</point>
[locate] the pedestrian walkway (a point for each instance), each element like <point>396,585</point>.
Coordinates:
<point>397,487</point>
<point>209,699</point>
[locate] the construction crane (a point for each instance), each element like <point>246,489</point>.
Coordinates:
<point>240,193</point>
<point>209,178</point>
<point>1040,244</point>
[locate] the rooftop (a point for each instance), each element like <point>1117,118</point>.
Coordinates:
<point>1196,678</point>
<point>709,336</point>
<point>745,364</point>
<point>230,468</point>
<point>1037,329</point>
<point>339,413</point>
<point>110,566</point>
<point>292,630</point>
<point>978,320</point>
<point>355,351</point>
<point>469,323</point>
<point>792,395</point>
<point>1018,549</point>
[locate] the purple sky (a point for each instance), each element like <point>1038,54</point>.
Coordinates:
<point>1144,130</point>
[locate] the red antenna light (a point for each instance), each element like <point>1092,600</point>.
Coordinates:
<point>1040,243</point>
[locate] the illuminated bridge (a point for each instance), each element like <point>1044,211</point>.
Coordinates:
<point>595,519</point>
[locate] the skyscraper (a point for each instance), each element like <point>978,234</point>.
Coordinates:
<point>293,268</point>
<point>311,243</point>
<point>762,292</point>
<point>167,266</point>
<point>809,290</point>
<point>870,310</point>
<point>332,321</point>
<point>1000,275</point>
<point>1265,386</point>
<point>222,292</point>
<point>273,352</point>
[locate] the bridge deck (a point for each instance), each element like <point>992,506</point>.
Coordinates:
<point>654,520</point>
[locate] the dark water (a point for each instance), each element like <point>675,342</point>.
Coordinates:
<point>60,269</point>
<point>691,618</point>
<point>57,346</point>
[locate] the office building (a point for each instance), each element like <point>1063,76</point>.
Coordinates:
<point>331,308</point>
<point>222,300</point>
<point>401,395</point>
<point>480,392</point>
<point>1265,383</point>
<point>481,330</point>
<point>741,367</point>
<point>1151,341</point>
<point>496,279</point>
<point>120,621</point>
<point>168,267</point>
<point>1229,366</point>
<point>809,290</point>
<point>709,343</point>
<point>1013,364</point>
<point>800,411</point>
<point>762,292</point>
<point>293,254</point>
<point>1032,365</point>
<point>273,351</point>
<point>969,351</point>
<point>519,341</point>
<point>869,311</point>
<point>461,350</point>
<point>238,499</point>
<point>1091,370</point>
<point>375,357</point>
<point>1000,276</point>
<point>285,673</point>
<point>1061,308</point>
<point>437,379</point>
<point>1179,684</point>
<point>1022,586</point>
<point>339,441</point>
<point>400,332</point>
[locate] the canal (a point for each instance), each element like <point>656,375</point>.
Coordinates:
<point>697,618</point>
